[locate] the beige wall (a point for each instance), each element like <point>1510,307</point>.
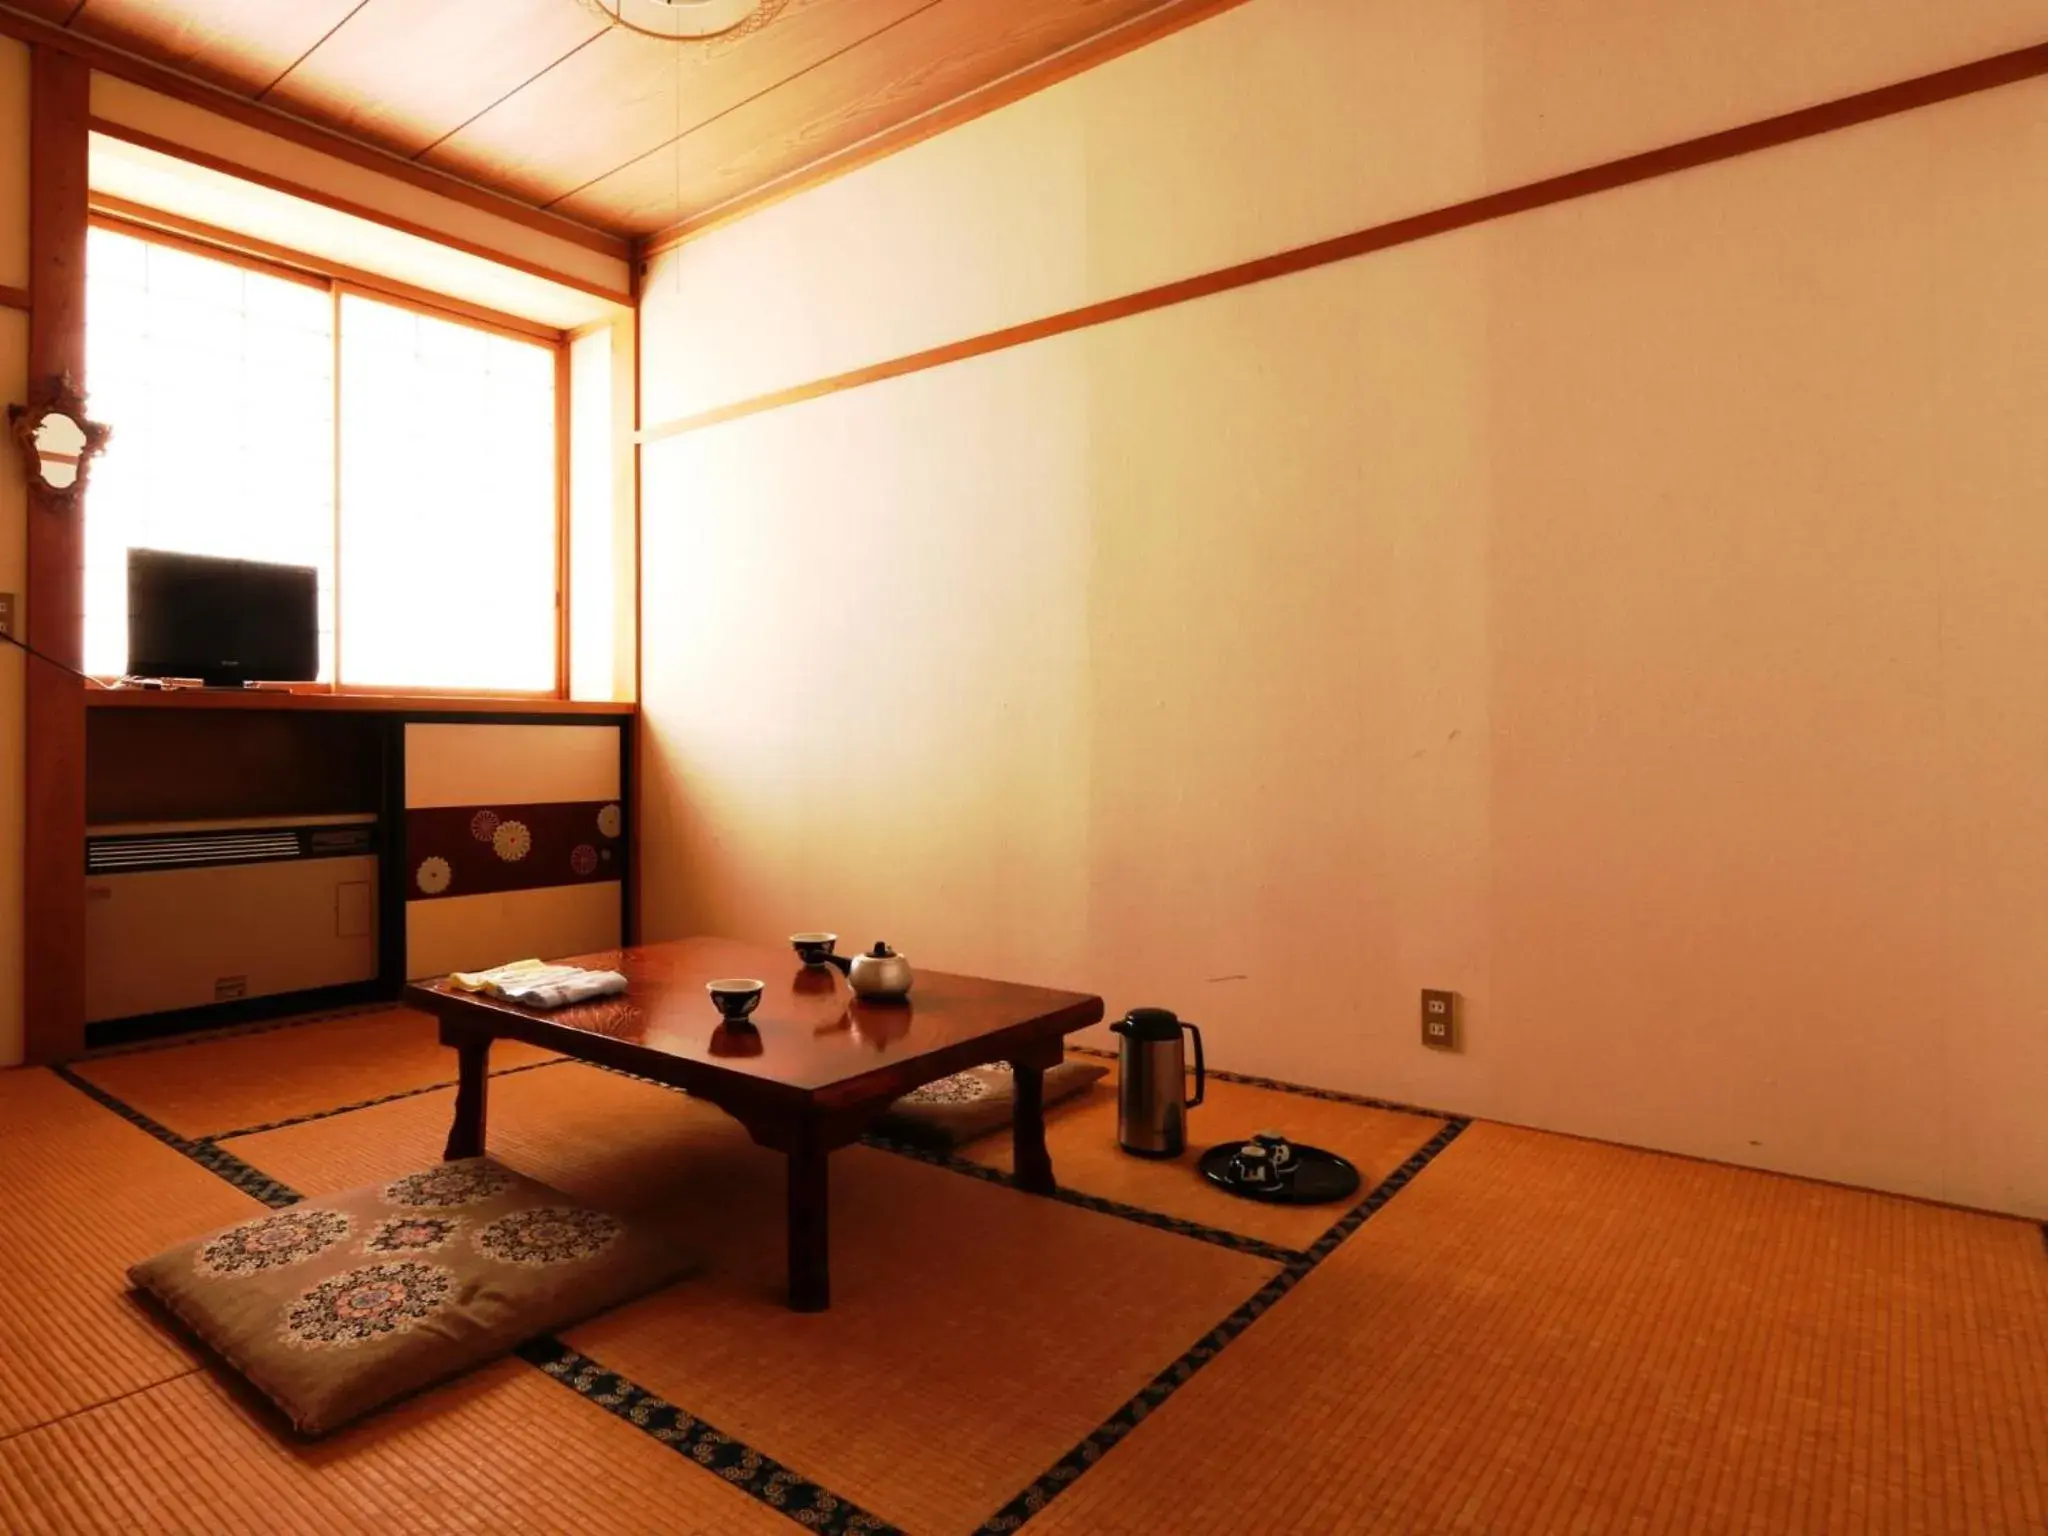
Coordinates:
<point>1277,123</point>
<point>13,531</point>
<point>1627,615</point>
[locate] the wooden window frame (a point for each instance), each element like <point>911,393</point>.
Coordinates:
<point>177,232</point>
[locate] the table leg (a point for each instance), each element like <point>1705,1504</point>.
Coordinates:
<point>472,1087</point>
<point>1027,1130</point>
<point>810,1277</point>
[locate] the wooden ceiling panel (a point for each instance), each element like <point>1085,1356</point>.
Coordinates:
<point>547,102</point>
<point>435,64</point>
<point>933,57</point>
<point>625,95</point>
<point>241,44</point>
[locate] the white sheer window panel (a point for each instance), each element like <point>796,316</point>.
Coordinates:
<point>448,504</point>
<point>219,383</point>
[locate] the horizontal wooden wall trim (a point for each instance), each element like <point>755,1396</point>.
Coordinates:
<point>1154,24</point>
<point>112,60</point>
<point>13,298</point>
<point>145,222</point>
<point>1690,154</point>
<point>226,167</point>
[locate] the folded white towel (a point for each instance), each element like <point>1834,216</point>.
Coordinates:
<point>533,984</point>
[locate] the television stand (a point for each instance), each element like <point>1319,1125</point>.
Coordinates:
<point>205,685</point>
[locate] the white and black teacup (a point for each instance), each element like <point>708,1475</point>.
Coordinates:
<point>1252,1167</point>
<point>814,948</point>
<point>1280,1150</point>
<point>735,997</point>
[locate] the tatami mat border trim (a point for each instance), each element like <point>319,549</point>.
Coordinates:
<point>1100,1204</point>
<point>382,1098</point>
<point>214,1159</point>
<point>745,1468</point>
<point>1062,1474</point>
<point>233,1031</point>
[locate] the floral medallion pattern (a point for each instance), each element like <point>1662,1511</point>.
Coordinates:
<point>960,1088</point>
<point>456,851</point>
<point>372,1302</point>
<point>548,1234</point>
<point>272,1242</point>
<point>451,1184</point>
<point>412,1234</point>
<point>512,841</point>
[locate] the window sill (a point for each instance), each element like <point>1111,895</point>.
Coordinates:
<point>361,703</point>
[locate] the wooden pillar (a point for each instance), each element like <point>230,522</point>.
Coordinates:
<point>53,979</point>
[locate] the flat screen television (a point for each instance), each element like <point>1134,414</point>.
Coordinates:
<point>225,622</point>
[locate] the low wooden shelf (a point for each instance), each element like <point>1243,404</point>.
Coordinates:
<point>347,703</point>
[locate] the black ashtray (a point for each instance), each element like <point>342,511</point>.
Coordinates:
<point>1319,1177</point>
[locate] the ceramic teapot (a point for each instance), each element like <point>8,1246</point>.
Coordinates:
<point>880,972</point>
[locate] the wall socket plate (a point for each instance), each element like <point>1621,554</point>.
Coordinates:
<point>6,613</point>
<point>1440,1020</point>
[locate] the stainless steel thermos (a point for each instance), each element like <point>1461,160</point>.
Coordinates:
<point>1152,1107</point>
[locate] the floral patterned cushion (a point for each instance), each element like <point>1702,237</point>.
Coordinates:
<point>335,1306</point>
<point>973,1103</point>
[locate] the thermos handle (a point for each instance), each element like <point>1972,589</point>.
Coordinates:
<point>1201,1073</point>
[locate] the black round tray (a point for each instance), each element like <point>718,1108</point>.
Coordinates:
<point>1319,1176</point>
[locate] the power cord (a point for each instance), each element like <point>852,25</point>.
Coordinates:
<point>24,646</point>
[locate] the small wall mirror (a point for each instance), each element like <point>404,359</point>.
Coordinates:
<point>60,450</point>
<point>57,441</point>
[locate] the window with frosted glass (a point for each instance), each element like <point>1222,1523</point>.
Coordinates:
<point>428,508</point>
<point>218,382</point>
<point>448,504</point>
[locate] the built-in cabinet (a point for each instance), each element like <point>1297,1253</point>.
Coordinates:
<point>514,842</point>
<point>251,854</point>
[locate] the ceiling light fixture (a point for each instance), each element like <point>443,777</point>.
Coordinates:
<point>689,21</point>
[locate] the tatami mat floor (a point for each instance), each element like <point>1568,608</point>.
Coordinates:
<point>1530,1333</point>
<point>213,1087</point>
<point>1083,1141</point>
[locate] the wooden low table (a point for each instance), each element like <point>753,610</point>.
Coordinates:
<point>818,1065</point>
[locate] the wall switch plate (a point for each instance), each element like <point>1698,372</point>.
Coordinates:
<point>6,613</point>
<point>1440,1020</point>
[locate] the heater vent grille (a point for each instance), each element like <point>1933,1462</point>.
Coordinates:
<point>134,853</point>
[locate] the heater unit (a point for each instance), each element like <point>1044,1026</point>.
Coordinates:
<point>183,914</point>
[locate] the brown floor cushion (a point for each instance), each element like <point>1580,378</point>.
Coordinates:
<point>337,1305</point>
<point>972,1103</point>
